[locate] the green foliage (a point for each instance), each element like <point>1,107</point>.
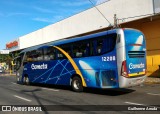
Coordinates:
<point>5,58</point>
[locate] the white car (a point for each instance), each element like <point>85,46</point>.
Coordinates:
<point>1,69</point>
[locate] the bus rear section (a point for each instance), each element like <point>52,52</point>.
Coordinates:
<point>132,69</point>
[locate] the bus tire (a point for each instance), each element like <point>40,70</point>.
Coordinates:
<point>26,80</point>
<point>76,84</point>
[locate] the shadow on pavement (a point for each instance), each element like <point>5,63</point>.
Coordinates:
<point>36,98</point>
<point>109,92</point>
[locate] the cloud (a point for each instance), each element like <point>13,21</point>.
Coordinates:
<point>16,14</point>
<point>43,10</point>
<point>10,14</point>
<point>49,20</point>
<point>43,20</point>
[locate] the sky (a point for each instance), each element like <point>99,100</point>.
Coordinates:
<point>20,17</point>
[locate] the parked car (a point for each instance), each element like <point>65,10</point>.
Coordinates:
<point>1,69</point>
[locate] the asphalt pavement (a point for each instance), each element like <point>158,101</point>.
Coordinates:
<point>13,94</point>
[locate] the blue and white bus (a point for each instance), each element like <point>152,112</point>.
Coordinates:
<point>110,59</point>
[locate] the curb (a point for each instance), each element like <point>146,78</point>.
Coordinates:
<point>7,74</point>
<point>152,80</point>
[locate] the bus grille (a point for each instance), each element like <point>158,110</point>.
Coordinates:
<point>108,78</point>
<point>136,54</point>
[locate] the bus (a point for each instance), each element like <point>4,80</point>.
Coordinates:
<point>110,59</point>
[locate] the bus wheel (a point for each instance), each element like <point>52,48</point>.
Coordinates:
<point>77,84</point>
<point>27,81</point>
<point>24,81</point>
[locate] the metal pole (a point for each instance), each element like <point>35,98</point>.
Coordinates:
<point>115,21</point>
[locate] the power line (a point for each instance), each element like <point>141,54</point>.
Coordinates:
<point>151,14</point>
<point>100,12</point>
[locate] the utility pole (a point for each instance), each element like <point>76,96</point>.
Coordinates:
<point>115,22</point>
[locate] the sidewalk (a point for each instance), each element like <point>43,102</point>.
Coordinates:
<point>152,80</point>
<point>7,74</point>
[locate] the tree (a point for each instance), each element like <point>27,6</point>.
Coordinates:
<point>8,60</point>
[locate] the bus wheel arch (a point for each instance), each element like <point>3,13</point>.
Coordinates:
<point>76,83</point>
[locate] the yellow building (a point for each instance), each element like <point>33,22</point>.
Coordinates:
<point>150,26</point>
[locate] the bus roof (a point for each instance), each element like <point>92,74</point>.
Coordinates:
<point>69,40</point>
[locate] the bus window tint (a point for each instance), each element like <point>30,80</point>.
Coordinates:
<point>67,48</point>
<point>49,53</point>
<point>35,55</point>
<point>29,56</point>
<point>38,55</point>
<point>99,46</point>
<point>76,50</point>
<point>104,44</point>
<point>86,49</point>
<point>110,42</point>
<point>81,49</point>
<point>60,55</point>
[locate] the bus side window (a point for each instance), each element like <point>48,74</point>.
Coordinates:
<point>77,52</point>
<point>67,48</point>
<point>86,49</point>
<point>49,53</point>
<point>99,46</point>
<point>46,55</point>
<point>104,44</point>
<point>28,57</point>
<point>81,49</point>
<point>37,55</point>
<point>34,55</point>
<point>60,55</point>
<point>94,47</point>
<point>52,53</point>
<point>110,42</point>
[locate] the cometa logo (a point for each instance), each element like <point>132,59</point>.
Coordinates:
<point>135,66</point>
<point>35,67</point>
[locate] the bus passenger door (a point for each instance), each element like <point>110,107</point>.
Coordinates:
<point>19,67</point>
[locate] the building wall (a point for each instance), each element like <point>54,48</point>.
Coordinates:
<point>151,29</point>
<point>127,10</point>
<point>89,20</point>
<point>156,5</point>
<point>152,32</point>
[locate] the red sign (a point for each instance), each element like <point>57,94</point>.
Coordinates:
<point>12,44</point>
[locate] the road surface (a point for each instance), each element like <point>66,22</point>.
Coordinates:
<point>14,94</point>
